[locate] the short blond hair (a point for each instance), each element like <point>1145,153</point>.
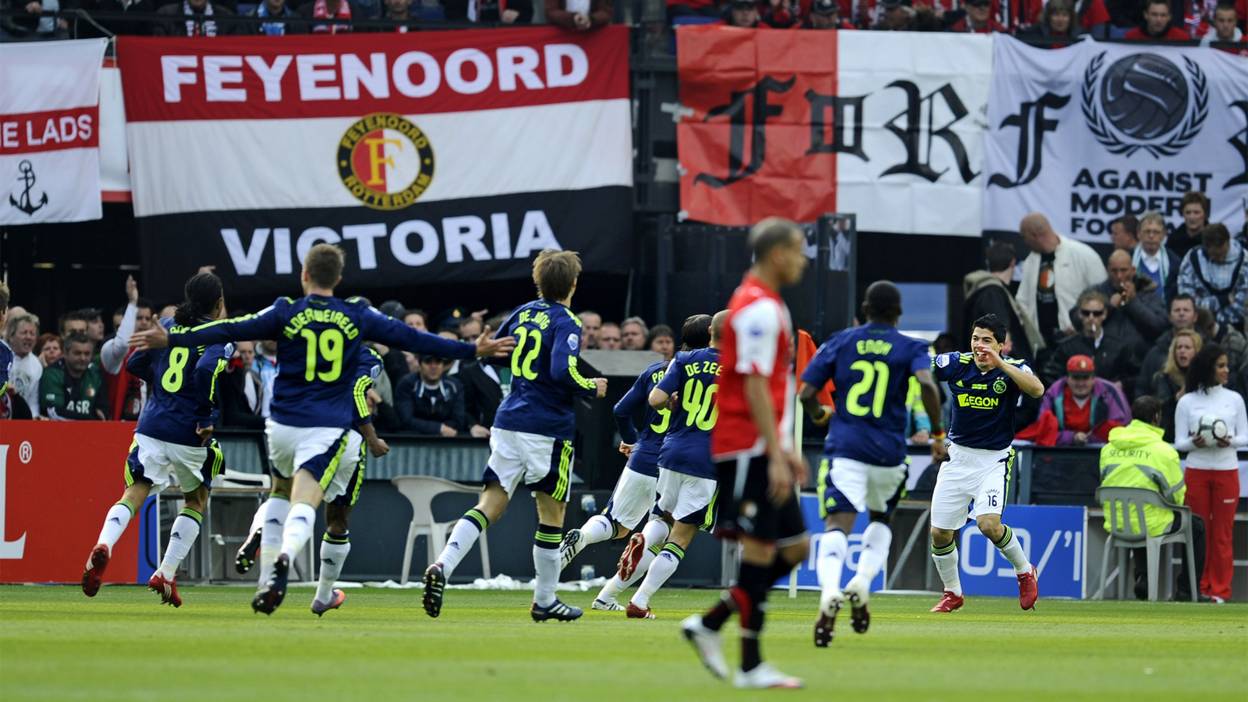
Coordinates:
<point>555,273</point>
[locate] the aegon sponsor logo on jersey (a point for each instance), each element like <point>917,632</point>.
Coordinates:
<point>977,402</point>
<point>346,77</point>
<point>413,243</point>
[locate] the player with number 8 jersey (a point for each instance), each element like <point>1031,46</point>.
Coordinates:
<point>531,441</point>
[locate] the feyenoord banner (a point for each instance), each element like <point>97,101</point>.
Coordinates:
<point>456,155</point>
<point>888,125</point>
<point>1088,133</point>
<point>49,131</point>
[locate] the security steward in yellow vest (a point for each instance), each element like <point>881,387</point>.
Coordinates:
<point>1137,457</point>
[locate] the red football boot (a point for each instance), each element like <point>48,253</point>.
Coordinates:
<point>635,612</point>
<point>632,556</point>
<point>93,574</point>
<point>948,602</point>
<point>167,589</point>
<point>1028,589</point>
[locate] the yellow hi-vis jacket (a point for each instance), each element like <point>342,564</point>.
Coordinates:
<point>1137,457</point>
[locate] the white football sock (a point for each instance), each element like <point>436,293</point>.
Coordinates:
<point>114,524</point>
<point>274,520</point>
<point>1012,549</point>
<point>334,550</point>
<point>947,566</point>
<point>660,570</point>
<point>466,532</point>
<point>832,548</point>
<point>596,529</point>
<point>181,537</point>
<point>876,540</point>
<point>546,563</point>
<point>298,529</point>
<point>656,532</point>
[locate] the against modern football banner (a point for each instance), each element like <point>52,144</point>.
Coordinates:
<point>49,131</point>
<point>888,125</point>
<point>455,157</point>
<point>1093,131</point>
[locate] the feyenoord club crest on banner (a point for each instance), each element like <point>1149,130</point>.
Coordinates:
<point>50,131</point>
<point>1094,131</point>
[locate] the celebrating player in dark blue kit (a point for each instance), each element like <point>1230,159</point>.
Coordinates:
<point>986,388</point>
<point>687,478</point>
<point>634,493</point>
<point>173,440</point>
<point>311,445</point>
<point>864,464</point>
<point>531,441</point>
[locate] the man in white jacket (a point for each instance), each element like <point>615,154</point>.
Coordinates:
<point>1054,274</point>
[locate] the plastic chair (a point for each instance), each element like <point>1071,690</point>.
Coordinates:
<point>1122,504</point>
<point>420,490</point>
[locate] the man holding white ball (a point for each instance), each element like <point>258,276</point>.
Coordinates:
<point>1210,423</point>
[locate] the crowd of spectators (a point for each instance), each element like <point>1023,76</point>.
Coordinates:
<point>1055,22</point>
<point>1103,332</point>
<point>76,372</point>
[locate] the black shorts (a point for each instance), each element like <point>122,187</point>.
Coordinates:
<point>745,510</point>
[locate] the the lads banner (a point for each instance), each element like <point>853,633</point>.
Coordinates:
<point>888,125</point>
<point>457,157</point>
<point>1093,131</point>
<point>50,131</point>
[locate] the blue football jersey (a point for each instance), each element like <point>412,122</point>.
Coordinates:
<point>181,388</point>
<point>645,456</point>
<point>318,352</point>
<point>694,375</point>
<point>544,375</point>
<point>983,401</point>
<point>366,374</point>
<point>871,368</point>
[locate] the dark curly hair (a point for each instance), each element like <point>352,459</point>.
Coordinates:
<point>1202,371</point>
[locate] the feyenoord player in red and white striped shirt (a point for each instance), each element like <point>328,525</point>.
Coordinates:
<point>753,452</point>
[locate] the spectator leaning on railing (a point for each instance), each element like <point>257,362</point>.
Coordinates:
<point>579,15</point>
<point>1212,468</point>
<point>1216,275</point>
<point>1138,457</point>
<point>73,387</point>
<point>1085,407</point>
<point>1157,26</point>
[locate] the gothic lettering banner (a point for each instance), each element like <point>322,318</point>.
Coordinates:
<point>887,125</point>
<point>454,158</point>
<point>1088,133</point>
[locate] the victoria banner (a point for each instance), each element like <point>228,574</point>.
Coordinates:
<point>50,131</point>
<point>1094,131</point>
<point>888,125</point>
<point>453,158</point>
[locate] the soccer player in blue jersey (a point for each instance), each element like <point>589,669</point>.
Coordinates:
<point>864,464</point>
<point>336,541</point>
<point>635,492</point>
<point>986,389</point>
<point>173,440</point>
<point>311,445</point>
<point>531,441</point>
<point>633,496</point>
<point>687,477</point>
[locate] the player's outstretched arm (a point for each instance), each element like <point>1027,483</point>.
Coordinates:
<point>1024,379</point>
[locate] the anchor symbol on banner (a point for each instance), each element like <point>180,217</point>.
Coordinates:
<point>25,203</point>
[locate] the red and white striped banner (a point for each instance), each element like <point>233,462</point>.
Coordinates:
<point>49,131</point>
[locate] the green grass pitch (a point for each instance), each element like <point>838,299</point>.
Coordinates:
<point>57,645</point>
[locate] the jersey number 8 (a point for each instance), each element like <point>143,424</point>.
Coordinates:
<point>525,355</point>
<point>873,373</point>
<point>171,381</point>
<point>329,343</point>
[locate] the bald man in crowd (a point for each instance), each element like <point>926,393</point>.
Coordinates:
<point>1137,307</point>
<point>1054,274</point>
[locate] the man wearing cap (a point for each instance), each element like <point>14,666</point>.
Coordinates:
<point>825,14</point>
<point>1086,407</point>
<point>978,19</point>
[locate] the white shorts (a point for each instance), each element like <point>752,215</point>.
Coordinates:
<point>162,464</point>
<point>688,498</point>
<point>970,475</point>
<point>632,499</point>
<point>846,485</point>
<point>542,463</point>
<point>330,454</point>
